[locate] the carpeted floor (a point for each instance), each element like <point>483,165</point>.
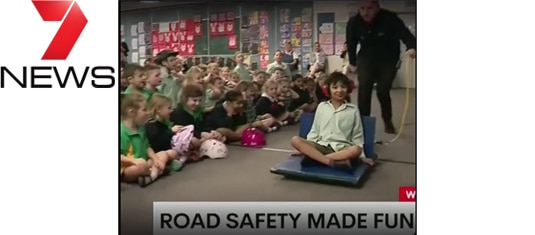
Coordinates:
<point>244,176</point>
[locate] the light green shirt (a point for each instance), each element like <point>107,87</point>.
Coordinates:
<point>243,73</point>
<point>340,128</point>
<point>271,68</point>
<point>209,101</point>
<point>171,87</point>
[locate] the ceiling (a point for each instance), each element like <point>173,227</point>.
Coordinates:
<point>140,5</point>
<point>132,5</point>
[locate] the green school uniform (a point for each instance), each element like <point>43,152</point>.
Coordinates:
<point>243,73</point>
<point>134,143</point>
<point>152,92</point>
<point>145,92</point>
<point>209,101</point>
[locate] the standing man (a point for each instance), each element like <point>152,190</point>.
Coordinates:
<point>378,31</point>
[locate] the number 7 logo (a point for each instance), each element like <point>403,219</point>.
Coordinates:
<point>69,31</point>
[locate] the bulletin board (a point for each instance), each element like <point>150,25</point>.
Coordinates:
<point>259,33</point>
<point>228,18</point>
<point>255,31</point>
<point>197,14</point>
<point>129,31</point>
<point>295,24</point>
<point>326,32</point>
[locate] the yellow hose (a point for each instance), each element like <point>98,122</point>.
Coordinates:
<point>409,70</point>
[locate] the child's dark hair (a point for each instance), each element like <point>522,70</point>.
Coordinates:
<point>233,95</point>
<point>297,77</point>
<point>309,81</point>
<point>260,72</point>
<point>244,86</point>
<point>190,91</point>
<point>338,77</point>
<point>130,70</point>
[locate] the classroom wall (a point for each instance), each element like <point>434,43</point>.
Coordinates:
<point>343,9</point>
<point>253,21</point>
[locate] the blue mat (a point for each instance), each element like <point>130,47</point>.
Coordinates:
<point>320,173</point>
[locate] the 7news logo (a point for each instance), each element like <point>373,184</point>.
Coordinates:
<point>73,22</point>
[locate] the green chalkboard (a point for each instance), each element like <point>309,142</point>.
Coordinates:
<point>219,44</point>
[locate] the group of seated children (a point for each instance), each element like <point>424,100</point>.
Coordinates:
<point>221,103</point>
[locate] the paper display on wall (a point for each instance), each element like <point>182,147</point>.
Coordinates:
<point>142,52</point>
<point>327,28</point>
<point>163,27</point>
<point>134,44</point>
<point>133,30</point>
<point>135,57</point>
<point>326,38</point>
<point>141,27</point>
<point>141,39</point>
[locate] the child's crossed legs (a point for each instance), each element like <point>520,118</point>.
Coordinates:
<point>326,155</point>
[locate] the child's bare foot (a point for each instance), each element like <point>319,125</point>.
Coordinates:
<point>368,161</point>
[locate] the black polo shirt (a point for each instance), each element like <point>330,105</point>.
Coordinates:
<point>181,116</point>
<point>219,118</point>
<point>159,134</point>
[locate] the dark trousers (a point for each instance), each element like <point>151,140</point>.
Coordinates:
<point>383,74</point>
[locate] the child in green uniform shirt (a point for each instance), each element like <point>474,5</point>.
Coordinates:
<point>214,92</point>
<point>153,79</point>
<point>190,112</point>
<point>241,69</point>
<point>139,162</point>
<point>135,74</point>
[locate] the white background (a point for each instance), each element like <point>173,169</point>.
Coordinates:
<point>59,146</point>
<point>475,123</point>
